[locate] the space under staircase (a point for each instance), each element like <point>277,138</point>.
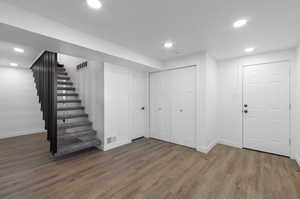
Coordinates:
<point>68,127</point>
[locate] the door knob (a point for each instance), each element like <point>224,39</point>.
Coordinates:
<point>245,111</point>
<point>245,105</point>
<point>143,108</point>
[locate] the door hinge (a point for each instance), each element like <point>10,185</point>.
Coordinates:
<point>290,141</point>
<point>290,106</point>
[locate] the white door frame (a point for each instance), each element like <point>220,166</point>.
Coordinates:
<point>290,98</point>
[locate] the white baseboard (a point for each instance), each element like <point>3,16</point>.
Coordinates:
<point>115,145</point>
<point>206,149</point>
<point>22,132</point>
<point>297,158</point>
<point>101,147</point>
<point>230,143</point>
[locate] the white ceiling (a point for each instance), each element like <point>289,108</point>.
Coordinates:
<point>24,60</point>
<point>34,44</point>
<point>193,25</point>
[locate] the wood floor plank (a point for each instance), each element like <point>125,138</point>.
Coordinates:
<point>145,169</point>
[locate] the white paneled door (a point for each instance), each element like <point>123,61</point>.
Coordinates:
<point>172,98</point>
<point>267,107</point>
<point>159,106</point>
<point>138,98</point>
<point>183,106</point>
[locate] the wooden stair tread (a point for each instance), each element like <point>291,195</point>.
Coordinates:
<point>67,94</point>
<point>70,108</point>
<point>69,101</point>
<point>74,125</point>
<point>76,134</point>
<point>64,83</point>
<point>66,88</point>
<point>63,78</point>
<point>71,148</point>
<point>59,69</point>
<point>71,116</point>
<point>60,72</point>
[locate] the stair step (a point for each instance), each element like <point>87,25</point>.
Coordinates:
<point>65,88</point>
<point>64,83</point>
<point>70,108</point>
<point>73,125</point>
<point>63,78</point>
<point>62,73</point>
<point>71,116</point>
<point>67,94</point>
<point>67,149</point>
<point>69,101</point>
<point>60,69</point>
<point>90,133</point>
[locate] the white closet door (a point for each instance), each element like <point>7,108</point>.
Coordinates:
<point>172,98</point>
<point>266,107</point>
<point>160,106</point>
<point>183,107</point>
<point>139,94</point>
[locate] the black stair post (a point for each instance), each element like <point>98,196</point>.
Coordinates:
<point>45,77</point>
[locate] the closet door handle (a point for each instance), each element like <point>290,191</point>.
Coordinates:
<point>181,110</point>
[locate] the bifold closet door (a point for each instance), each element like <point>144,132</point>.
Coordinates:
<point>159,106</point>
<point>172,99</point>
<point>183,107</point>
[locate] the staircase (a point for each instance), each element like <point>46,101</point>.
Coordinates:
<point>75,131</point>
<point>68,128</point>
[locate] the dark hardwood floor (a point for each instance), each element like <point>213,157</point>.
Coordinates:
<point>146,169</point>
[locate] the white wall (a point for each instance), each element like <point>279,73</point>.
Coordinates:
<point>206,88</point>
<point>19,107</point>
<point>230,95</point>
<point>116,108</point>
<point>89,83</point>
<point>230,103</point>
<point>110,93</point>
<point>211,104</point>
<point>297,123</point>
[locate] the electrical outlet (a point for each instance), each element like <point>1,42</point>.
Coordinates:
<point>111,139</point>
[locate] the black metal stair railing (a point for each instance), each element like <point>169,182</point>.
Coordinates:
<point>45,77</point>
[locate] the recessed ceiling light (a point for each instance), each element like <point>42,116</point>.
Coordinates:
<point>95,4</point>
<point>13,64</point>
<point>240,23</point>
<point>168,44</point>
<point>249,50</point>
<point>19,50</point>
